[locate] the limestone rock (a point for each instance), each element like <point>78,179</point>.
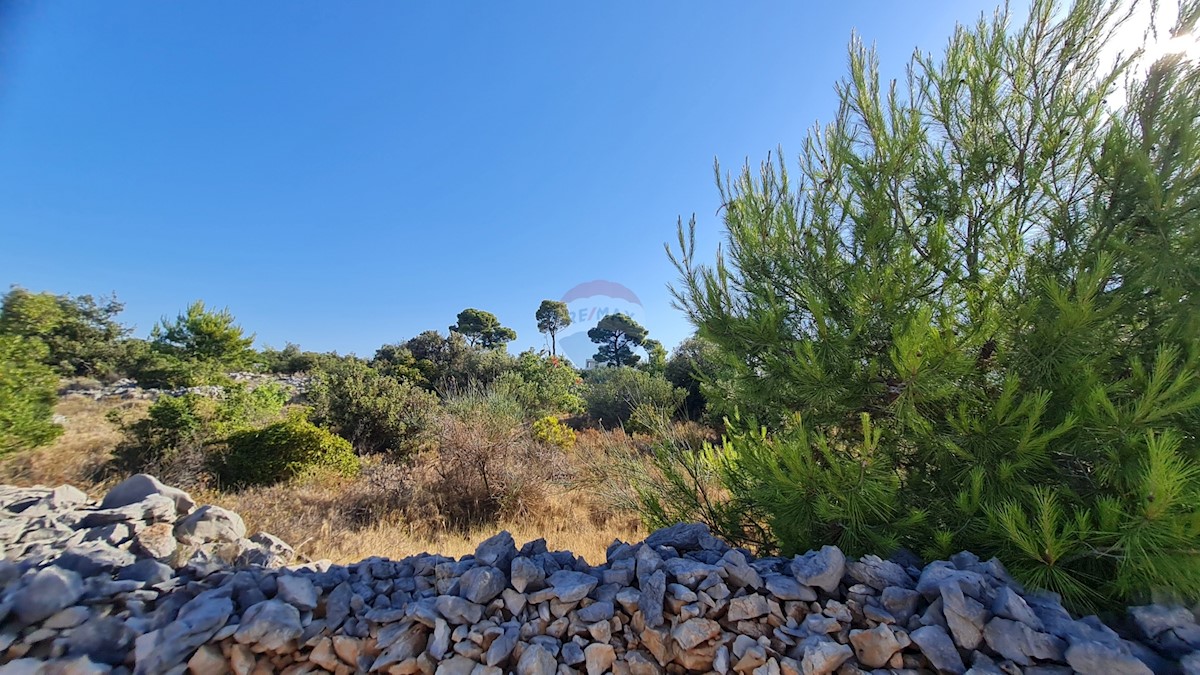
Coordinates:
<point>821,569</point>
<point>47,591</point>
<point>210,524</point>
<point>137,487</point>
<point>270,624</point>
<point>937,646</point>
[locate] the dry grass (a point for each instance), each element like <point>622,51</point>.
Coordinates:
<point>80,456</point>
<point>345,520</point>
<point>312,516</point>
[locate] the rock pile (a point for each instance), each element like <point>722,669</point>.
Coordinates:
<point>144,582</point>
<point>127,389</point>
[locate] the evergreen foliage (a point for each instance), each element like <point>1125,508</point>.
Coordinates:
<point>81,334</point>
<point>695,366</point>
<point>291,359</point>
<point>552,316</point>
<point>27,394</point>
<point>482,329</point>
<point>286,450</point>
<point>199,347</point>
<point>543,385</point>
<point>613,394</point>
<point>617,335</point>
<point>374,411</point>
<point>656,357</point>
<point>445,364</point>
<point>970,320</point>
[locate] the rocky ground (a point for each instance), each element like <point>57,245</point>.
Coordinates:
<point>129,390</point>
<point>146,582</point>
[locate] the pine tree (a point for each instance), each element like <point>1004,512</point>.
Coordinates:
<point>971,319</point>
<point>617,335</point>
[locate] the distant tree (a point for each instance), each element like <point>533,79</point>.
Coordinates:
<point>617,335</point>
<point>694,364</point>
<point>613,395</point>
<point>27,394</point>
<point>202,335</point>
<point>552,317</point>
<point>81,334</point>
<point>438,357</point>
<point>290,359</point>
<point>543,385</point>
<point>398,361</point>
<point>448,363</point>
<point>482,329</point>
<point>375,412</point>
<point>656,353</point>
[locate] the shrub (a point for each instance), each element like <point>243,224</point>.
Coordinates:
<point>695,366</point>
<point>550,431</point>
<point>283,451</point>
<point>613,394</point>
<point>375,412</point>
<point>288,360</point>
<point>81,335</point>
<point>984,305</point>
<point>27,395</point>
<point>544,385</point>
<point>447,364</point>
<point>156,368</point>
<point>171,441</point>
<point>177,437</point>
<point>485,466</point>
<point>242,408</point>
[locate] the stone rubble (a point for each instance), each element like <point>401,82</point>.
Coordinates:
<point>127,389</point>
<point>146,582</point>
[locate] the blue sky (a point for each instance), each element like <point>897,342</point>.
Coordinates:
<point>343,175</point>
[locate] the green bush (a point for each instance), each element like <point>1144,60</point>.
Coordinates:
<point>552,432</point>
<point>484,464</point>
<point>27,395</point>
<point>156,368</point>
<point>375,412</point>
<point>984,307</point>
<point>612,394</point>
<point>177,437</point>
<point>290,359</point>
<point>695,366</point>
<point>242,408</point>
<point>81,335</point>
<point>544,385</point>
<point>445,364</point>
<point>285,450</point>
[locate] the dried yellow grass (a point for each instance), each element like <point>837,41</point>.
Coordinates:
<point>312,514</point>
<point>310,517</point>
<point>80,455</point>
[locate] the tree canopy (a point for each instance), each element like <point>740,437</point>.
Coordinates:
<point>970,317</point>
<point>81,334</point>
<point>27,394</point>
<point>482,329</point>
<point>617,335</point>
<point>204,335</point>
<point>552,316</point>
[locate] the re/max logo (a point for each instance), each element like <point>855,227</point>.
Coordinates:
<point>589,314</point>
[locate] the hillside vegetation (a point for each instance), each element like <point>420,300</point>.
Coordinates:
<point>969,319</point>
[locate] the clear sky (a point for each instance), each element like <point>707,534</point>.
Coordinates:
<point>345,174</point>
